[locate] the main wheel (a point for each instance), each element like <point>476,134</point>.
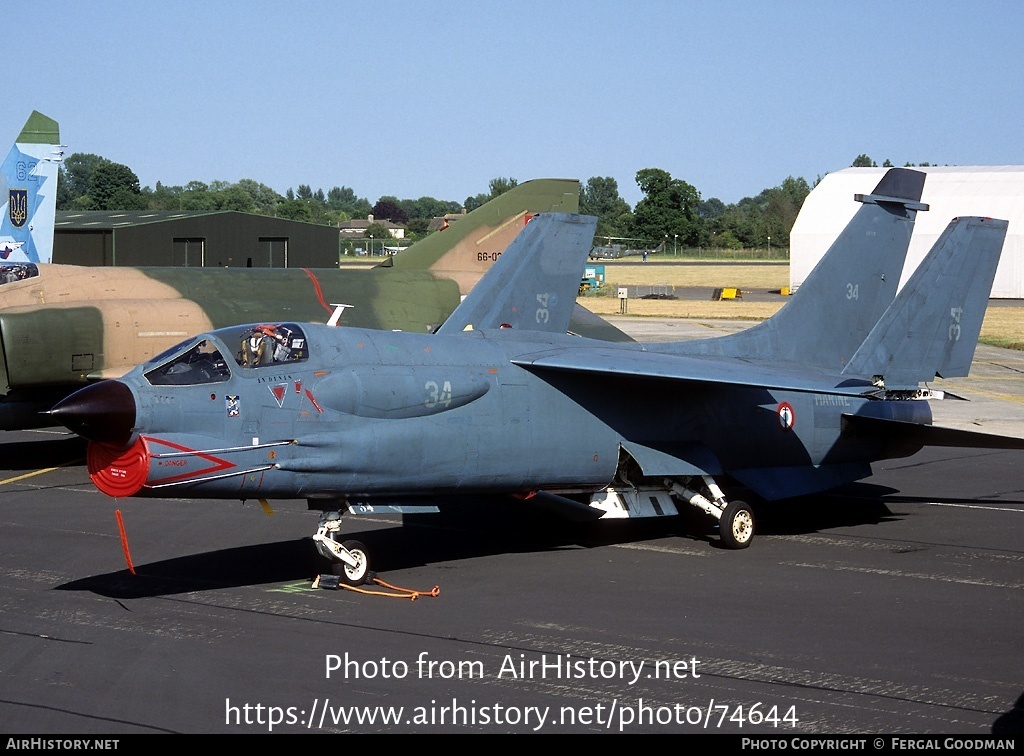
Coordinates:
<point>737,525</point>
<point>353,575</point>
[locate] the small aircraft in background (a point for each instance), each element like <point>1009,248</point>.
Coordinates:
<point>615,251</point>
<point>502,402</point>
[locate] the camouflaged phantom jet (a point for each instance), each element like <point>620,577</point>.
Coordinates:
<point>502,404</point>
<point>64,326</point>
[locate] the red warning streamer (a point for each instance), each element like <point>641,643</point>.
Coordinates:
<point>124,542</point>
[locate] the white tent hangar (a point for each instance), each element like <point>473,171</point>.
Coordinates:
<point>950,191</point>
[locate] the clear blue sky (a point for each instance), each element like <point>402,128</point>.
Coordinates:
<point>420,98</point>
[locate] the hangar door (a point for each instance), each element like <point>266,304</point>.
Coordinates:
<point>189,253</point>
<point>273,252</point>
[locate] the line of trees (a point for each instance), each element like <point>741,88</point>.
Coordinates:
<point>92,182</point>
<point>671,210</point>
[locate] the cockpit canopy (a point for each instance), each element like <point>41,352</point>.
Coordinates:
<point>252,346</point>
<point>13,272</point>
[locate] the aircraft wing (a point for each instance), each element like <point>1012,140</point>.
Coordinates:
<point>712,371</point>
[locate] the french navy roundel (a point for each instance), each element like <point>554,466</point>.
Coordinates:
<point>787,417</point>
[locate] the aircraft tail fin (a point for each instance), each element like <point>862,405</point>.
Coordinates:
<point>932,327</point>
<point>29,192</point>
<point>533,285</point>
<point>844,296</point>
<point>466,249</point>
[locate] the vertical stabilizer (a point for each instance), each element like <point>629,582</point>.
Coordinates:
<point>29,192</point>
<point>844,296</point>
<point>533,285</point>
<point>465,250</point>
<point>932,327</point>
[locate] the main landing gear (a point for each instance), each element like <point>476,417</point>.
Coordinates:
<point>735,519</point>
<point>347,559</point>
<point>635,496</point>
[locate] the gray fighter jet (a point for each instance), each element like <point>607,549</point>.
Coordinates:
<point>502,402</point>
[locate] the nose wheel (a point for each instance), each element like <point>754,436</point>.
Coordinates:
<point>353,574</point>
<point>349,560</point>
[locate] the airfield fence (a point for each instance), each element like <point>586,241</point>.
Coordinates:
<point>723,253</point>
<point>371,247</point>
<point>381,248</point>
<point>708,253</point>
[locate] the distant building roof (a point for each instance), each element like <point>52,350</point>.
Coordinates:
<point>439,222</point>
<point>361,224</point>
<point>100,219</point>
<point>354,228</point>
<point>84,220</point>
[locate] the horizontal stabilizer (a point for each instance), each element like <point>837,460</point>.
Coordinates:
<point>900,186</point>
<point>932,327</point>
<point>533,285</point>
<point>917,434</point>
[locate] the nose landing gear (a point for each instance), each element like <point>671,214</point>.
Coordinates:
<point>348,560</point>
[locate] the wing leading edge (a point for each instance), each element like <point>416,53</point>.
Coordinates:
<point>711,371</point>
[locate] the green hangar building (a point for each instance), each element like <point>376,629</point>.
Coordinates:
<point>192,239</point>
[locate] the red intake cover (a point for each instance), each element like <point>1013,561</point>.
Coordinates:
<point>118,472</point>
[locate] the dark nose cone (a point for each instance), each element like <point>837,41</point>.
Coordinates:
<point>103,412</point>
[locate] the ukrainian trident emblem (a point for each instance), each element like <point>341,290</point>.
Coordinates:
<point>17,201</point>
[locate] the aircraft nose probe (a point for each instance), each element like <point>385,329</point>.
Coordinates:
<point>103,412</point>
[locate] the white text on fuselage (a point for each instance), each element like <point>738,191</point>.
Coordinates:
<point>831,401</point>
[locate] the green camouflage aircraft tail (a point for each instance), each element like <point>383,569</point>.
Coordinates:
<point>468,247</point>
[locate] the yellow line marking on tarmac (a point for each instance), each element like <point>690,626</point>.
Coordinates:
<point>28,475</point>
